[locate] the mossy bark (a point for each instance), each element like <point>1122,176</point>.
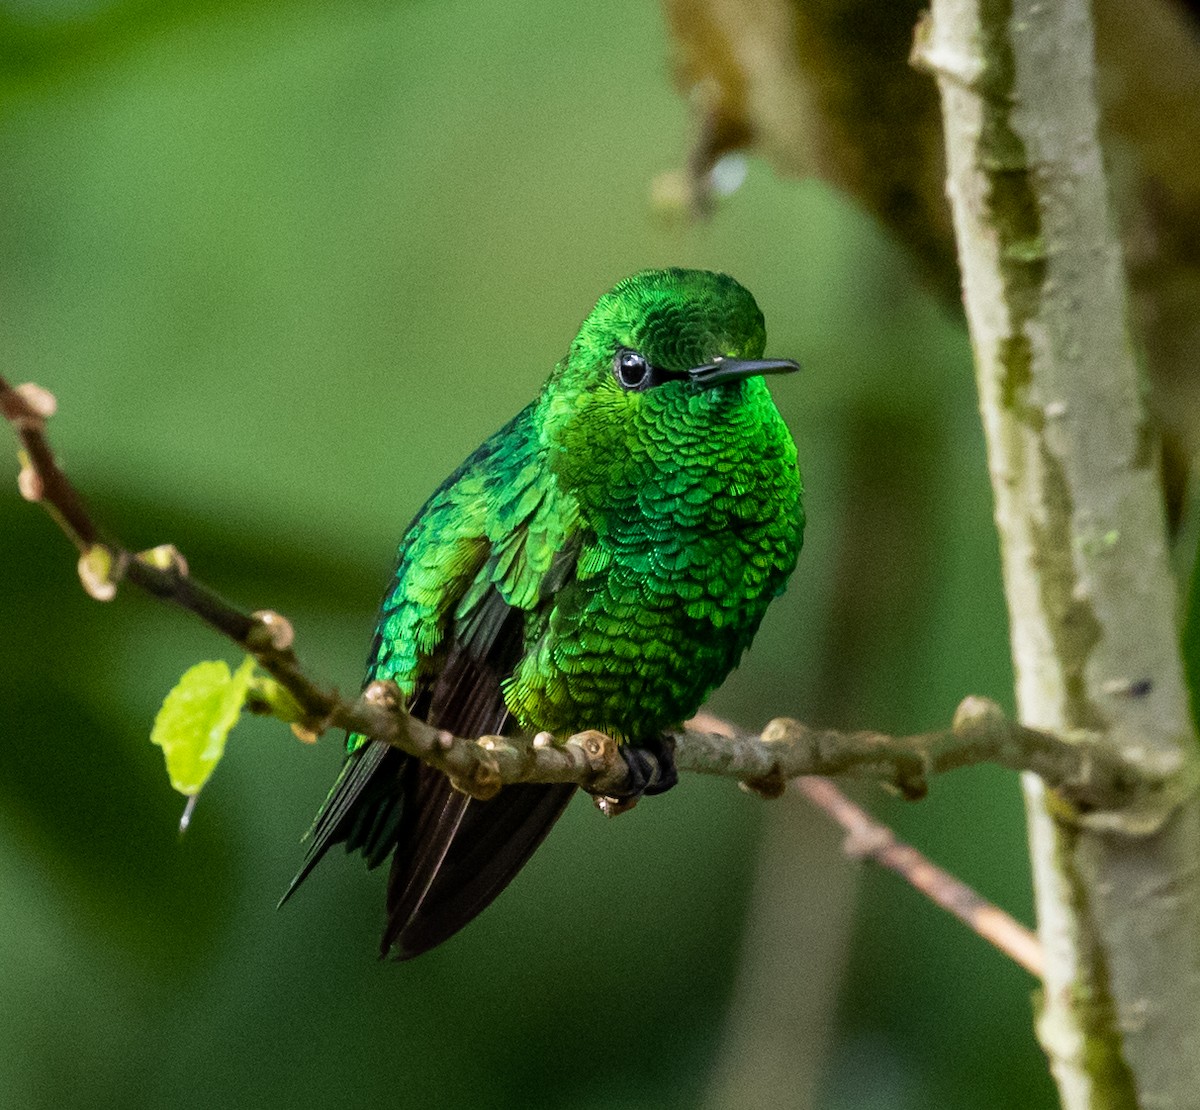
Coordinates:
<point>1080,513</point>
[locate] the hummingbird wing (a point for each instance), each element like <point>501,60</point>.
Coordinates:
<point>488,552</point>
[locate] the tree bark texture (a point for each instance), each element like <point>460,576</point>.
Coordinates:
<point>1090,593</point>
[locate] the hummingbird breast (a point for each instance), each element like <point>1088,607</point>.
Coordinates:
<point>691,528</point>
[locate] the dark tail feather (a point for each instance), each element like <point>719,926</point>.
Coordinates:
<point>475,852</point>
<point>365,809</point>
<point>415,866</point>
<point>453,855</point>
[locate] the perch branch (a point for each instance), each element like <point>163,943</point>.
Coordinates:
<point>763,763</point>
<point>1088,775</point>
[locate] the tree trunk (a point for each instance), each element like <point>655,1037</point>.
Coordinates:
<point>1079,508</point>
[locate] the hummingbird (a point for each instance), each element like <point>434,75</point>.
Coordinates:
<point>601,562</point>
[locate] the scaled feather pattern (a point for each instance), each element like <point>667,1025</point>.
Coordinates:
<point>601,562</point>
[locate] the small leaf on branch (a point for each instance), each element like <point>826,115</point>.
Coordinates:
<point>195,720</point>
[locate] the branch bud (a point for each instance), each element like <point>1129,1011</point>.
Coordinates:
<point>41,402</point>
<point>600,752</point>
<point>778,730</point>
<point>99,572</point>
<point>613,807</point>
<point>304,733</point>
<point>976,716</point>
<point>166,556</point>
<point>482,781</point>
<point>29,481</point>
<point>385,694</point>
<point>274,632</point>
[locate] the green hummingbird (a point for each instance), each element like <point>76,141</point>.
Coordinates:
<point>601,562</point>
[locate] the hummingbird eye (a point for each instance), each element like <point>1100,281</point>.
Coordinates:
<point>631,370</point>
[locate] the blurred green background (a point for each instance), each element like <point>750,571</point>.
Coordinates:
<point>284,264</point>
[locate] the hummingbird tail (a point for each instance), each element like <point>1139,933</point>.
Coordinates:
<point>466,852</point>
<point>364,809</point>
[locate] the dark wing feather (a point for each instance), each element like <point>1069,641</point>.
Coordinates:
<point>453,855</point>
<point>463,851</point>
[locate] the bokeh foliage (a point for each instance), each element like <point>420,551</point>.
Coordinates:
<point>284,264</point>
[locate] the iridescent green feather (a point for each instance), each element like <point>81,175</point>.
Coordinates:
<point>634,536</point>
<point>686,508</point>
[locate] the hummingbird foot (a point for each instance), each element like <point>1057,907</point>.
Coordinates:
<point>651,771</point>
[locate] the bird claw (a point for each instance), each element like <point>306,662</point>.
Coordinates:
<point>613,807</point>
<point>651,770</point>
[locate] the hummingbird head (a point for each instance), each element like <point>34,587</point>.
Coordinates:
<point>680,328</point>
<point>665,372</point>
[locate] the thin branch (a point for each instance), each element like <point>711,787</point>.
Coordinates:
<point>1088,775</point>
<point>27,408</point>
<point>763,763</point>
<point>868,839</point>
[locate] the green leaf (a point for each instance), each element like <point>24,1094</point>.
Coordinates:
<point>195,719</point>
